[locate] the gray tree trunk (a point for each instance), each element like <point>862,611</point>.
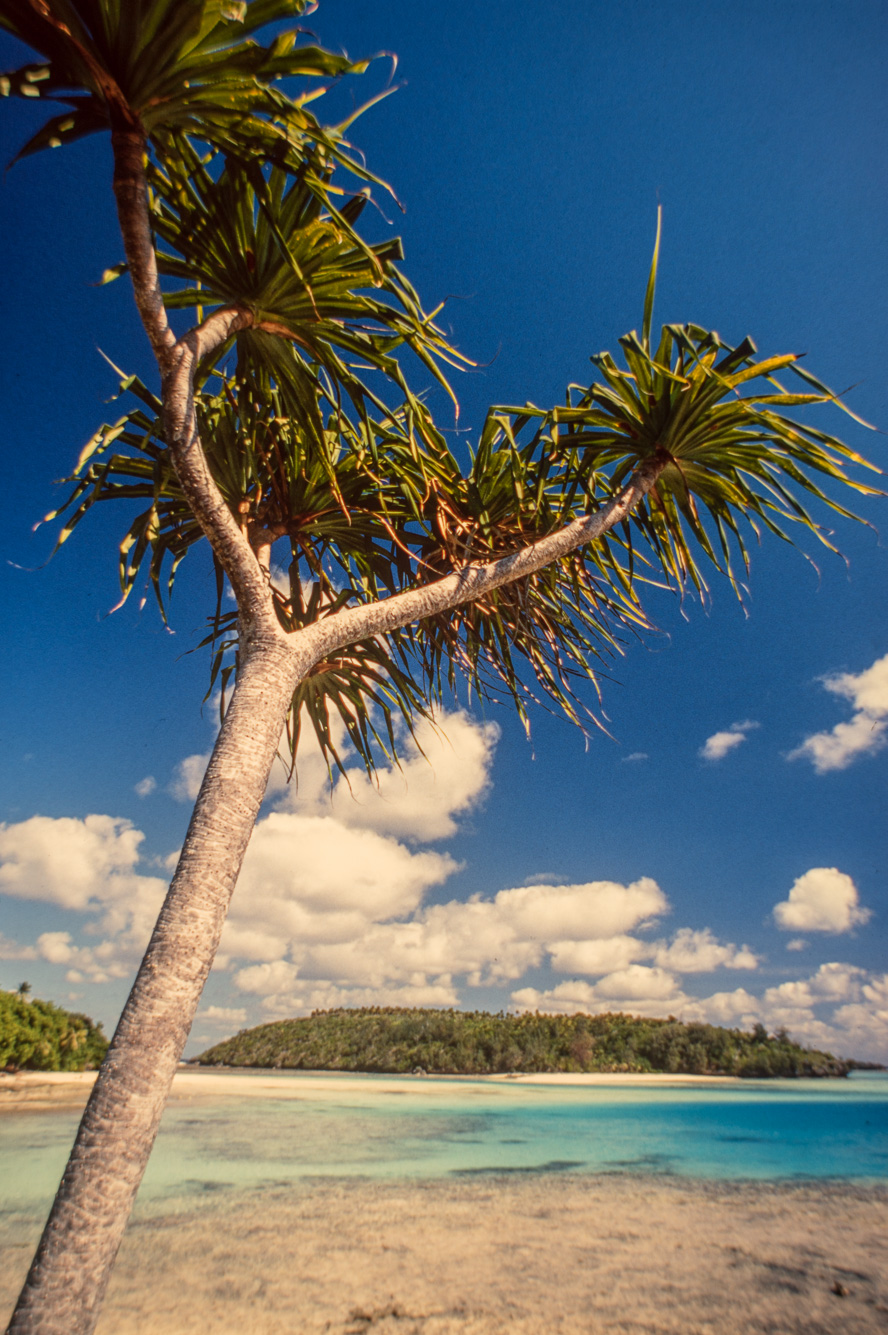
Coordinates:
<point>69,1275</point>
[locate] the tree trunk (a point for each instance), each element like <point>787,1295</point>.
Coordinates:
<point>70,1272</point>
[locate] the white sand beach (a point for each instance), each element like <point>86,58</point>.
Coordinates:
<point>57,1088</point>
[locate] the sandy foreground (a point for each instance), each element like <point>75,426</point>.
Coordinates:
<point>517,1253</point>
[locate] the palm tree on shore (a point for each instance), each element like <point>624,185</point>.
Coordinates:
<point>518,570</point>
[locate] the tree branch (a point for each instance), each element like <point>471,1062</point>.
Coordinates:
<point>233,551</point>
<point>177,360</point>
<point>469,583</point>
<point>131,192</point>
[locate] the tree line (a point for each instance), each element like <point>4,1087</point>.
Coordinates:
<point>398,1040</point>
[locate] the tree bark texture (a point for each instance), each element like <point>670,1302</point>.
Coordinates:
<point>70,1272</point>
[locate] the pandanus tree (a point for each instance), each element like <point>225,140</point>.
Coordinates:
<point>371,564</point>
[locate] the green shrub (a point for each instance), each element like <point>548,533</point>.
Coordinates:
<point>38,1036</point>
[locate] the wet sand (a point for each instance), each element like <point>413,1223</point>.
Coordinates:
<point>523,1255</point>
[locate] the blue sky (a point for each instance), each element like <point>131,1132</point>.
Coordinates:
<point>530,147</point>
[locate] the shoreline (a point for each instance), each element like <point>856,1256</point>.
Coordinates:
<point>51,1089</point>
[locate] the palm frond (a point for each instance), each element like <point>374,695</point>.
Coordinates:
<point>267,244</point>
<point>187,68</point>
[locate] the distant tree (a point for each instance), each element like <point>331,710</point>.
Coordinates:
<point>23,990</point>
<point>407,566</point>
<point>35,1035</point>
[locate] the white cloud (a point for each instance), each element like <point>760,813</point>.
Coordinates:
<point>597,957</point>
<point>592,911</point>
<point>332,910</point>
<point>225,1015</point>
<point>14,950</point>
<point>88,866</point>
<point>721,744</point>
<point>867,730</point>
<point>700,952</point>
<point>145,787</point>
<point>833,982</point>
<point>824,899</point>
<point>837,982</point>
<point>689,952</point>
<point>187,777</point>
<point>309,881</point>
<point>77,864</point>
<point>109,959</point>
<point>638,982</point>
<point>487,941</point>
<point>326,995</point>
<point>733,1009</point>
<point>797,943</point>
<point>446,777</point>
<point>635,756</point>
<point>267,979</point>
<point>636,990</point>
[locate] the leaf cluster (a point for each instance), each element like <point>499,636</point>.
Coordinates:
<point>175,68</point>
<point>371,501</point>
<point>330,461</point>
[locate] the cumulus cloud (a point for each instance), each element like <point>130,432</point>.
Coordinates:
<point>112,958</point>
<point>689,951</point>
<point>737,1009</point>
<point>597,957</point>
<point>824,899</point>
<point>187,777</point>
<point>88,866</point>
<point>594,910</point>
<point>486,941</point>
<point>636,989</point>
<point>721,744</point>
<point>867,730</point>
<point>327,995</point>
<point>224,1015</point>
<point>145,787</point>
<point>332,910</point>
<point>446,773</point>
<point>701,952</point>
<point>14,950</point>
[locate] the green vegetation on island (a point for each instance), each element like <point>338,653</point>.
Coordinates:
<point>448,1042</point>
<point>38,1036</point>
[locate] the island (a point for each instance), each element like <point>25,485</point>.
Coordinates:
<point>396,1040</point>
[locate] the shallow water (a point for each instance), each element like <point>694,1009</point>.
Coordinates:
<point>430,1128</point>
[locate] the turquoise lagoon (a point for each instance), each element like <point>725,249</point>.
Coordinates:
<point>311,1126</point>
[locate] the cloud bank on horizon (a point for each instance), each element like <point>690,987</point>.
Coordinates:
<point>332,909</point>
